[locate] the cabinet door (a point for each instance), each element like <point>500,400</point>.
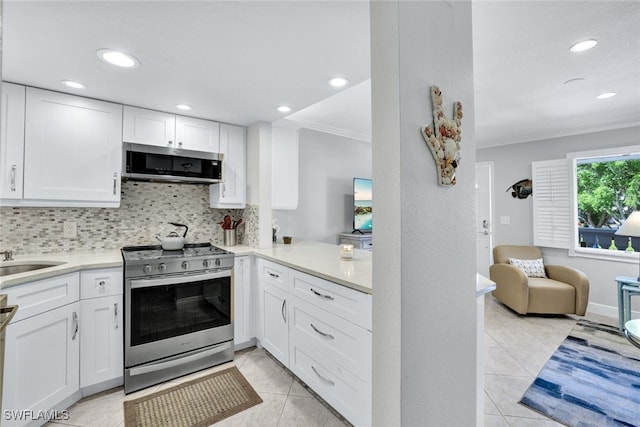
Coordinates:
<point>232,192</point>
<point>41,361</point>
<point>275,322</point>
<point>72,148</point>
<point>197,134</point>
<point>243,320</point>
<point>148,127</point>
<point>101,340</point>
<point>12,141</point>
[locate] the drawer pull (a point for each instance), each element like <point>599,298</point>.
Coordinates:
<point>324,334</point>
<point>326,380</point>
<point>102,283</point>
<point>329,297</point>
<point>115,314</point>
<point>284,306</point>
<point>274,275</point>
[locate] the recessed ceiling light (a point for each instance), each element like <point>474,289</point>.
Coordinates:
<point>183,106</point>
<point>284,109</point>
<point>119,59</point>
<point>606,95</point>
<point>583,45</point>
<point>338,82</point>
<point>75,85</point>
<point>577,79</point>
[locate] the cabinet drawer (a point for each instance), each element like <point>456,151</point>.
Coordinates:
<point>367,244</point>
<point>43,295</point>
<point>273,273</point>
<point>347,344</point>
<point>339,387</point>
<point>344,302</point>
<point>100,283</point>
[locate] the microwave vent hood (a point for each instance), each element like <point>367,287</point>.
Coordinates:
<point>168,164</point>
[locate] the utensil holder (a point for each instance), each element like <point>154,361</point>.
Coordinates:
<point>229,237</point>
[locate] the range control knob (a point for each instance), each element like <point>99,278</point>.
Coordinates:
<point>206,263</point>
<point>185,265</point>
<point>162,267</point>
<point>218,262</point>
<point>146,269</point>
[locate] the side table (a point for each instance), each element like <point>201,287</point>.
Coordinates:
<point>632,331</point>
<point>627,287</point>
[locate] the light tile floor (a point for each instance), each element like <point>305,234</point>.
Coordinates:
<point>516,348</point>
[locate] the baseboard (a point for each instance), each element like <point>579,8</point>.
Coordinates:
<point>607,310</point>
<point>243,345</point>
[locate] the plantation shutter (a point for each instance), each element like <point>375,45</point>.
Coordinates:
<point>551,204</point>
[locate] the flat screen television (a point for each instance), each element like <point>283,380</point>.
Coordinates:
<point>362,205</point>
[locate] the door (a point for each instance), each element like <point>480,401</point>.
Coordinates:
<point>484,215</point>
<point>12,141</point>
<point>197,134</point>
<point>275,322</point>
<point>73,148</point>
<point>148,127</point>
<point>232,192</point>
<point>41,361</point>
<point>101,345</point>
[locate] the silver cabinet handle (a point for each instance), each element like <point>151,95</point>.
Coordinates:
<point>75,325</point>
<point>284,306</point>
<point>115,314</point>
<point>224,190</point>
<point>324,334</point>
<point>14,168</point>
<point>102,283</point>
<point>326,380</point>
<point>180,143</point>
<point>274,275</point>
<point>115,182</point>
<point>170,142</point>
<point>329,297</point>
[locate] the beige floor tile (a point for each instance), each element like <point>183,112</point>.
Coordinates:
<point>105,410</point>
<point>489,407</point>
<point>498,361</point>
<point>297,389</point>
<point>495,421</point>
<point>531,360</point>
<point>266,375</point>
<point>506,391</point>
<point>308,412</point>
<point>265,414</point>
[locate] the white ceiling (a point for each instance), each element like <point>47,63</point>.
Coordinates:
<point>236,61</point>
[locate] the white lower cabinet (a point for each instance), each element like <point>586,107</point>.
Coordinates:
<point>42,352</point>
<point>322,332</point>
<point>243,304</point>
<point>101,332</point>
<point>65,342</point>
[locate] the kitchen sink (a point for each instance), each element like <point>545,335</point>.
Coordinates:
<point>6,270</point>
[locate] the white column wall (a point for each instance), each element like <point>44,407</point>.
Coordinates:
<point>424,305</point>
<point>259,178</point>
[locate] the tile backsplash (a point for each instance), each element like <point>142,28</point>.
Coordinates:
<point>145,209</point>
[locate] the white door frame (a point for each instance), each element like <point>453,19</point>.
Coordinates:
<point>484,269</point>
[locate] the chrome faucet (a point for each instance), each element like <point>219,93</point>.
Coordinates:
<point>8,255</point>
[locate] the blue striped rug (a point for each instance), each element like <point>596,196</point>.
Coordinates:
<point>592,379</point>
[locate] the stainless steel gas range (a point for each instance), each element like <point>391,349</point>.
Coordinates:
<point>178,312</point>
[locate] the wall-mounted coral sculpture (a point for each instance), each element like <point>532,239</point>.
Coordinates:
<point>521,189</point>
<point>444,140</point>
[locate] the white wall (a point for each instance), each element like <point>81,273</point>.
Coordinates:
<point>424,269</point>
<point>512,163</point>
<point>327,165</point>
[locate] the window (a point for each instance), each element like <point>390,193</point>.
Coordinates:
<point>579,202</point>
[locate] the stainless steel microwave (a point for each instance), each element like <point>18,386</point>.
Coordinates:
<point>154,163</point>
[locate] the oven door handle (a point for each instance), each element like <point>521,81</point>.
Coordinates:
<point>174,280</point>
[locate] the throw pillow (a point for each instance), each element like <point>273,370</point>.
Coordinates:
<point>531,267</point>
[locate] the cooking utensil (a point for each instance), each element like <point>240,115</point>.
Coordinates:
<point>173,241</point>
<point>227,222</point>
<point>237,223</point>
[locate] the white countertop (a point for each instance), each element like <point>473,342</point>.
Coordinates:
<point>68,262</point>
<point>319,259</point>
<point>484,285</point>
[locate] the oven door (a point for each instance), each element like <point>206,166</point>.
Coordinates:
<point>167,316</point>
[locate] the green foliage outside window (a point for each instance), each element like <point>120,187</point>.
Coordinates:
<point>608,191</point>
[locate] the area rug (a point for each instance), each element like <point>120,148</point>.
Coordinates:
<point>196,403</point>
<point>592,379</point>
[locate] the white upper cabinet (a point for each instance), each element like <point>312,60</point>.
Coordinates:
<point>12,141</point>
<point>151,127</point>
<point>231,194</point>
<point>197,134</point>
<point>148,127</point>
<point>284,168</point>
<point>73,150</point>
